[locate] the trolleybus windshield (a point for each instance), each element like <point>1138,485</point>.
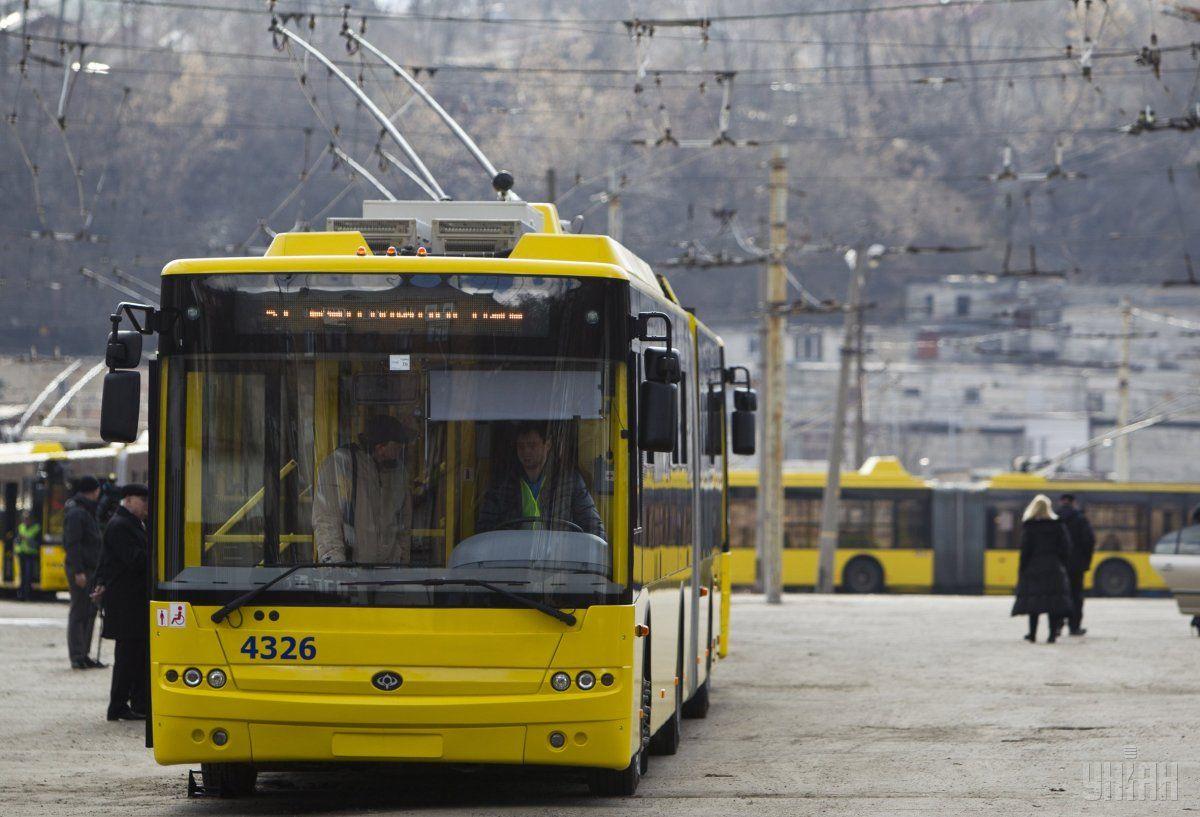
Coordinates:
<point>445,434</point>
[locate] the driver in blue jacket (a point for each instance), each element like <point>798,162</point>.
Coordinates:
<point>534,489</point>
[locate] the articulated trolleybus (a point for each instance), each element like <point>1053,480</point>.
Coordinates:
<point>442,484</point>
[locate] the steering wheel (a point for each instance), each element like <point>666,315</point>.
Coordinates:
<point>567,524</point>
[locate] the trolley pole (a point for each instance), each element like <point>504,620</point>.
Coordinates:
<point>831,497</point>
<point>770,465</point>
<point>1121,454</point>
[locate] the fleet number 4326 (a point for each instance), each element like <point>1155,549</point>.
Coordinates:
<point>284,648</point>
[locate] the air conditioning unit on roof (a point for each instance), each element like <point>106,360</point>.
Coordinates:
<point>473,228</point>
<point>381,233</point>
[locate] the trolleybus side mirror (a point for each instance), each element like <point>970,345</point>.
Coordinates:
<point>122,397</point>
<point>658,393</point>
<point>743,429</point>
<point>658,416</point>
<point>121,406</point>
<point>745,404</point>
<point>124,349</point>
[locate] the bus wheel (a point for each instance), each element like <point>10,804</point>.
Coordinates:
<point>229,779</point>
<point>623,783</point>
<point>1115,578</point>
<point>697,706</point>
<point>862,574</point>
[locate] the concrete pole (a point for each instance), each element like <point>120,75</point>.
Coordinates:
<point>831,498</point>
<point>1121,454</point>
<point>860,384</point>
<point>614,207</point>
<point>770,463</point>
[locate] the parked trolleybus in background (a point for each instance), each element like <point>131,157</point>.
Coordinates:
<point>884,537</point>
<point>901,533</point>
<point>531,639</point>
<point>37,477</point>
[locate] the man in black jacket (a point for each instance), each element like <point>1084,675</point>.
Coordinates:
<point>121,589</point>
<point>1083,546</point>
<point>534,489</point>
<point>81,543</point>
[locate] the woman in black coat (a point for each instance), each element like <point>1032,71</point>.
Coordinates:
<point>1043,585</point>
<point>121,588</point>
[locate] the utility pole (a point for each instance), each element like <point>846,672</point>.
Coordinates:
<point>1121,453</point>
<point>831,498</point>
<point>614,207</point>
<point>860,423</point>
<point>551,185</point>
<point>770,463</point>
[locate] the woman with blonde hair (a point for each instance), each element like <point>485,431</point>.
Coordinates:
<point>1043,585</point>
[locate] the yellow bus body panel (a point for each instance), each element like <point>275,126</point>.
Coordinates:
<point>1000,570</point>
<point>476,686</point>
<point>903,568</point>
<point>53,576</point>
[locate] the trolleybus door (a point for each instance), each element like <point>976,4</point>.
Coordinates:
<point>692,422</point>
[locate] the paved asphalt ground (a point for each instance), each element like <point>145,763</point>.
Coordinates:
<point>841,705</point>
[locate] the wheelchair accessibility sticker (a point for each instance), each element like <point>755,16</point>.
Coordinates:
<point>173,615</point>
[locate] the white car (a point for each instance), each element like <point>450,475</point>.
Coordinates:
<point>1176,557</point>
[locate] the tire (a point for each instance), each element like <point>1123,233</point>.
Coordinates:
<point>624,782</point>
<point>697,706</point>
<point>229,779</point>
<point>862,574</point>
<point>666,739</point>
<point>1114,578</point>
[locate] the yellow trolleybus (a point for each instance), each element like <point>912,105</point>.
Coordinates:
<point>322,594</point>
<point>884,537</point>
<point>1127,517</point>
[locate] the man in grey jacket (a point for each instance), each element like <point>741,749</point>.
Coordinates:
<point>362,509</point>
<point>81,544</point>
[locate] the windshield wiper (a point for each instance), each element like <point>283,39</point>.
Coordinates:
<point>532,604</point>
<point>253,593</point>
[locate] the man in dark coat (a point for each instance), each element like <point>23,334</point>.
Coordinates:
<point>533,488</point>
<point>1083,546</point>
<point>81,543</point>
<point>121,588</point>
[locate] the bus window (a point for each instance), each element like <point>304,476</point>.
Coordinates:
<point>912,523</point>
<point>1119,526</point>
<point>801,521</point>
<point>1005,528</point>
<point>743,511</point>
<point>307,426</point>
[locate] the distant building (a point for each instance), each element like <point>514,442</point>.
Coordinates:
<point>983,372</point>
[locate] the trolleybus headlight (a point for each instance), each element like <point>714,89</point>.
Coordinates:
<point>192,677</point>
<point>560,681</point>
<point>585,680</point>
<point>216,678</point>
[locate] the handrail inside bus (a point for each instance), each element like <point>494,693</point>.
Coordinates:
<point>241,512</point>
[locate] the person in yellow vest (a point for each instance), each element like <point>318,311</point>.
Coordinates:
<point>27,548</point>
<point>537,494</point>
